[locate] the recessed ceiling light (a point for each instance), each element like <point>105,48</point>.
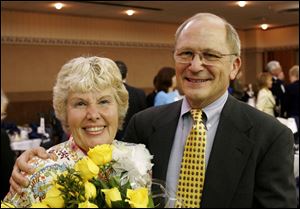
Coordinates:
<point>58,5</point>
<point>242,3</point>
<point>264,26</point>
<point>130,12</point>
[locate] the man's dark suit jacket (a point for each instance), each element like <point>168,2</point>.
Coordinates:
<point>292,99</point>
<point>137,102</point>
<point>251,162</point>
<point>279,95</point>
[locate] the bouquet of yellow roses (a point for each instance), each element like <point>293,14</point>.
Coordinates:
<point>114,176</point>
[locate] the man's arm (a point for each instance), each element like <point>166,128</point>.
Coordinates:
<point>17,180</point>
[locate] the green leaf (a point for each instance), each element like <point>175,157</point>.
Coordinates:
<point>104,185</point>
<point>120,204</point>
<point>96,182</point>
<point>114,181</point>
<point>150,202</point>
<point>123,189</point>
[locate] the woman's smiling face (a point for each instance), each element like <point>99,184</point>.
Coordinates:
<point>92,117</point>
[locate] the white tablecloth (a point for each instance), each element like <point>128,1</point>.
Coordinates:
<point>25,144</point>
<point>296,164</point>
<point>290,123</point>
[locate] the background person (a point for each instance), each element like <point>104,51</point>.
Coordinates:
<point>265,100</point>
<point>137,99</point>
<point>237,89</point>
<point>292,92</point>
<point>278,89</point>
<point>292,98</point>
<point>7,155</point>
<point>166,87</point>
<point>151,96</point>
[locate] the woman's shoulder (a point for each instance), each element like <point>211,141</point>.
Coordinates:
<point>161,94</point>
<point>161,98</point>
<point>67,150</point>
<point>262,92</point>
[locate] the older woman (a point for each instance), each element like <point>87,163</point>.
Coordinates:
<point>91,101</point>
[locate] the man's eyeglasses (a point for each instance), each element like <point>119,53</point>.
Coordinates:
<point>186,57</point>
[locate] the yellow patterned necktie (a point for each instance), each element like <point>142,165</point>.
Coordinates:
<point>192,172</point>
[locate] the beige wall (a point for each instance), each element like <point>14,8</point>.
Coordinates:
<point>278,37</point>
<point>34,67</point>
<point>25,24</point>
<point>34,46</point>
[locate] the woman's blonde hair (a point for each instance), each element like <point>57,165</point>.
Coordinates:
<point>262,80</point>
<point>86,74</point>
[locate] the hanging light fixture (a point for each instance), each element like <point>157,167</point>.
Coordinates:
<point>58,5</point>
<point>264,26</point>
<point>242,3</point>
<point>129,12</point>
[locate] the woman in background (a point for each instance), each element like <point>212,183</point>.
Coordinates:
<point>265,99</point>
<point>166,87</point>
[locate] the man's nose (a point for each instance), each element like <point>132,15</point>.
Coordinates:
<point>197,62</point>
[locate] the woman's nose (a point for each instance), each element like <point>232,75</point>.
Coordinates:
<point>93,113</point>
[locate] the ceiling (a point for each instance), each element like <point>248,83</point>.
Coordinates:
<point>274,13</point>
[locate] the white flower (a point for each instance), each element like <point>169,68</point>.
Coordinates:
<point>134,158</point>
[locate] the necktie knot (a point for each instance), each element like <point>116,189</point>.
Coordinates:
<point>196,114</point>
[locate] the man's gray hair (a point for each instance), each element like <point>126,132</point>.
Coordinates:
<point>272,65</point>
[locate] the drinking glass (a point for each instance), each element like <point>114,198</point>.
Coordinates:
<point>161,197</point>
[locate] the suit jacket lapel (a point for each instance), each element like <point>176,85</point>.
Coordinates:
<point>228,157</point>
<point>161,141</point>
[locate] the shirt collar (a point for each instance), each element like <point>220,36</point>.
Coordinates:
<point>212,111</point>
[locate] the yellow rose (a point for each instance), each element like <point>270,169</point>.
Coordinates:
<point>6,205</point>
<point>90,190</point>
<point>101,154</point>
<point>111,195</point>
<point>87,204</point>
<point>54,198</point>
<point>138,198</point>
<point>87,168</point>
<point>39,205</point>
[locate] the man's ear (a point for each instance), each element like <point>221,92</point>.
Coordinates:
<point>236,65</point>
